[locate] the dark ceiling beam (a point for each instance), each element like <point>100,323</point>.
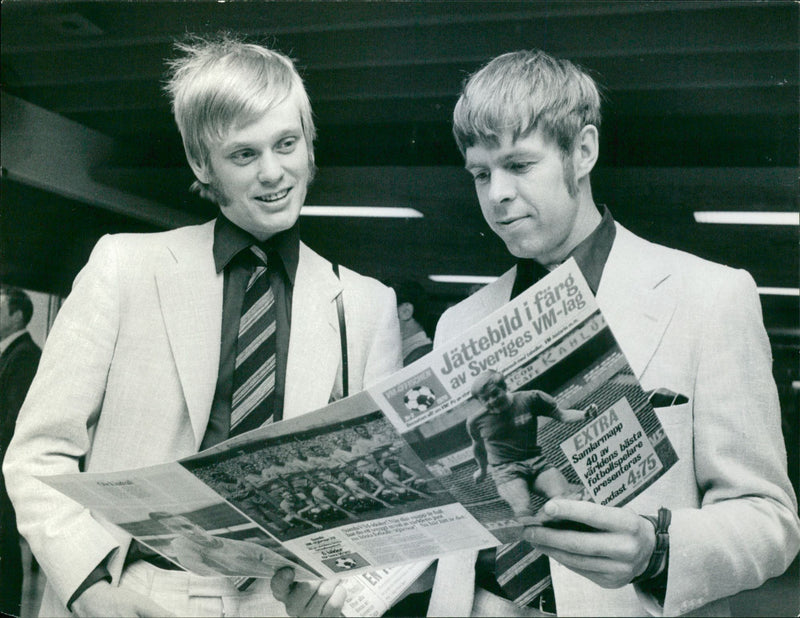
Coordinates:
<point>46,151</point>
<point>398,106</point>
<point>742,68</point>
<point>114,19</point>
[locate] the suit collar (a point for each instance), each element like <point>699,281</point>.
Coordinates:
<point>16,343</point>
<point>314,347</point>
<point>637,297</point>
<point>190,293</point>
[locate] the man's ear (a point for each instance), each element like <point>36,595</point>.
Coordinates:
<point>17,318</point>
<point>587,149</point>
<point>200,169</point>
<point>405,311</point>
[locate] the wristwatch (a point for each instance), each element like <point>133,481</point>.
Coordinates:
<point>658,560</point>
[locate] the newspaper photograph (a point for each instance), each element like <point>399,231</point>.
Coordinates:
<point>172,512</point>
<point>332,493</point>
<point>340,489</point>
<point>534,402</point>
<point>176,515</point>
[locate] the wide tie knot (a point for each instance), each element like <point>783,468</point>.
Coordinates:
<point>257,260</point>
<point>258,256</point>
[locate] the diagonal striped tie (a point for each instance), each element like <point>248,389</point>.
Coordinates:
<point>523,573</point>
<point>254,371</point>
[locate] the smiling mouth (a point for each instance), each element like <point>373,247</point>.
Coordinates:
<point>273,197</point>
<point>511,221</point>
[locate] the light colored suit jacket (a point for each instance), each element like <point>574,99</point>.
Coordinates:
<point>130,368</point>
<point>694,327</point>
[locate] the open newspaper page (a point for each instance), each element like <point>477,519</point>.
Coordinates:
<point>310,492</point>
<point>175,514</point>
<point>550,344</point>
<point>178,516</point>
<point>323,485</point>
<point>377,485</point>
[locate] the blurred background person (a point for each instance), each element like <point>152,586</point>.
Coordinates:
<point>19,358</point>
<point>413,312</point>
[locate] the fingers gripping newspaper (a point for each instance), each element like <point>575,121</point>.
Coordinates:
<point>457,451</point>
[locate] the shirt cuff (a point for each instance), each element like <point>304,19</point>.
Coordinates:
<point>656,587</point>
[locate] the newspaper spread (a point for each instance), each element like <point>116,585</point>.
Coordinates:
<point>377,485</point>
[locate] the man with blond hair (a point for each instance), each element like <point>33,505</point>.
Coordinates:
<point>172,342</point>
<point>724,518</point>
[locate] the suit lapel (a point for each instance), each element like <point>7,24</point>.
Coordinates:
<point>637,298</point>
<point>190,294</point>
<point>314,348</point>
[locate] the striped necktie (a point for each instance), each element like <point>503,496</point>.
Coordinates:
<point>254,371</point>
<point>522,571</point>
<point>524,575</point>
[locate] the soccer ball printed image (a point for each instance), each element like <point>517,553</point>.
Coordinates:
<point>345,562</point>
<point>419,398</point>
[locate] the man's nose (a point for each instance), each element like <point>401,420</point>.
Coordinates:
<point>270,169</point>
<point>501,187</point>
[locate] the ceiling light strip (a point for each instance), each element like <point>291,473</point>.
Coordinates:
<point>747,218</point>
<point>374,212</point>
<point>766,291</point>
<point>464,279</point>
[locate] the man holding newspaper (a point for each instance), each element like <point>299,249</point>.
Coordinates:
<point>159,353</point>
<point>527,125</point>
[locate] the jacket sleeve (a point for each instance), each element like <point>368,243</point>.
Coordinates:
<point>53,432</point>
<point>746,529</point>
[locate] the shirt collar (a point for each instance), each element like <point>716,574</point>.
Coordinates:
<point>590,254</point>
<point>230,240</point>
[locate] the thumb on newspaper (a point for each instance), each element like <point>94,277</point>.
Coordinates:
<point>307,598</point>
<point>281,583</point>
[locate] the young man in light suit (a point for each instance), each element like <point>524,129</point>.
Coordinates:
<point>138,367</point>
<point>527,125</point>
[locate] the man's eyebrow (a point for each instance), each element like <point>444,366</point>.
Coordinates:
<point>290,132</point>
<point>520,154</point>
<point>238,145</point>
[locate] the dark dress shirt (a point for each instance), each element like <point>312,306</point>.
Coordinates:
<point>231,246</point>
<point>590,255</point>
